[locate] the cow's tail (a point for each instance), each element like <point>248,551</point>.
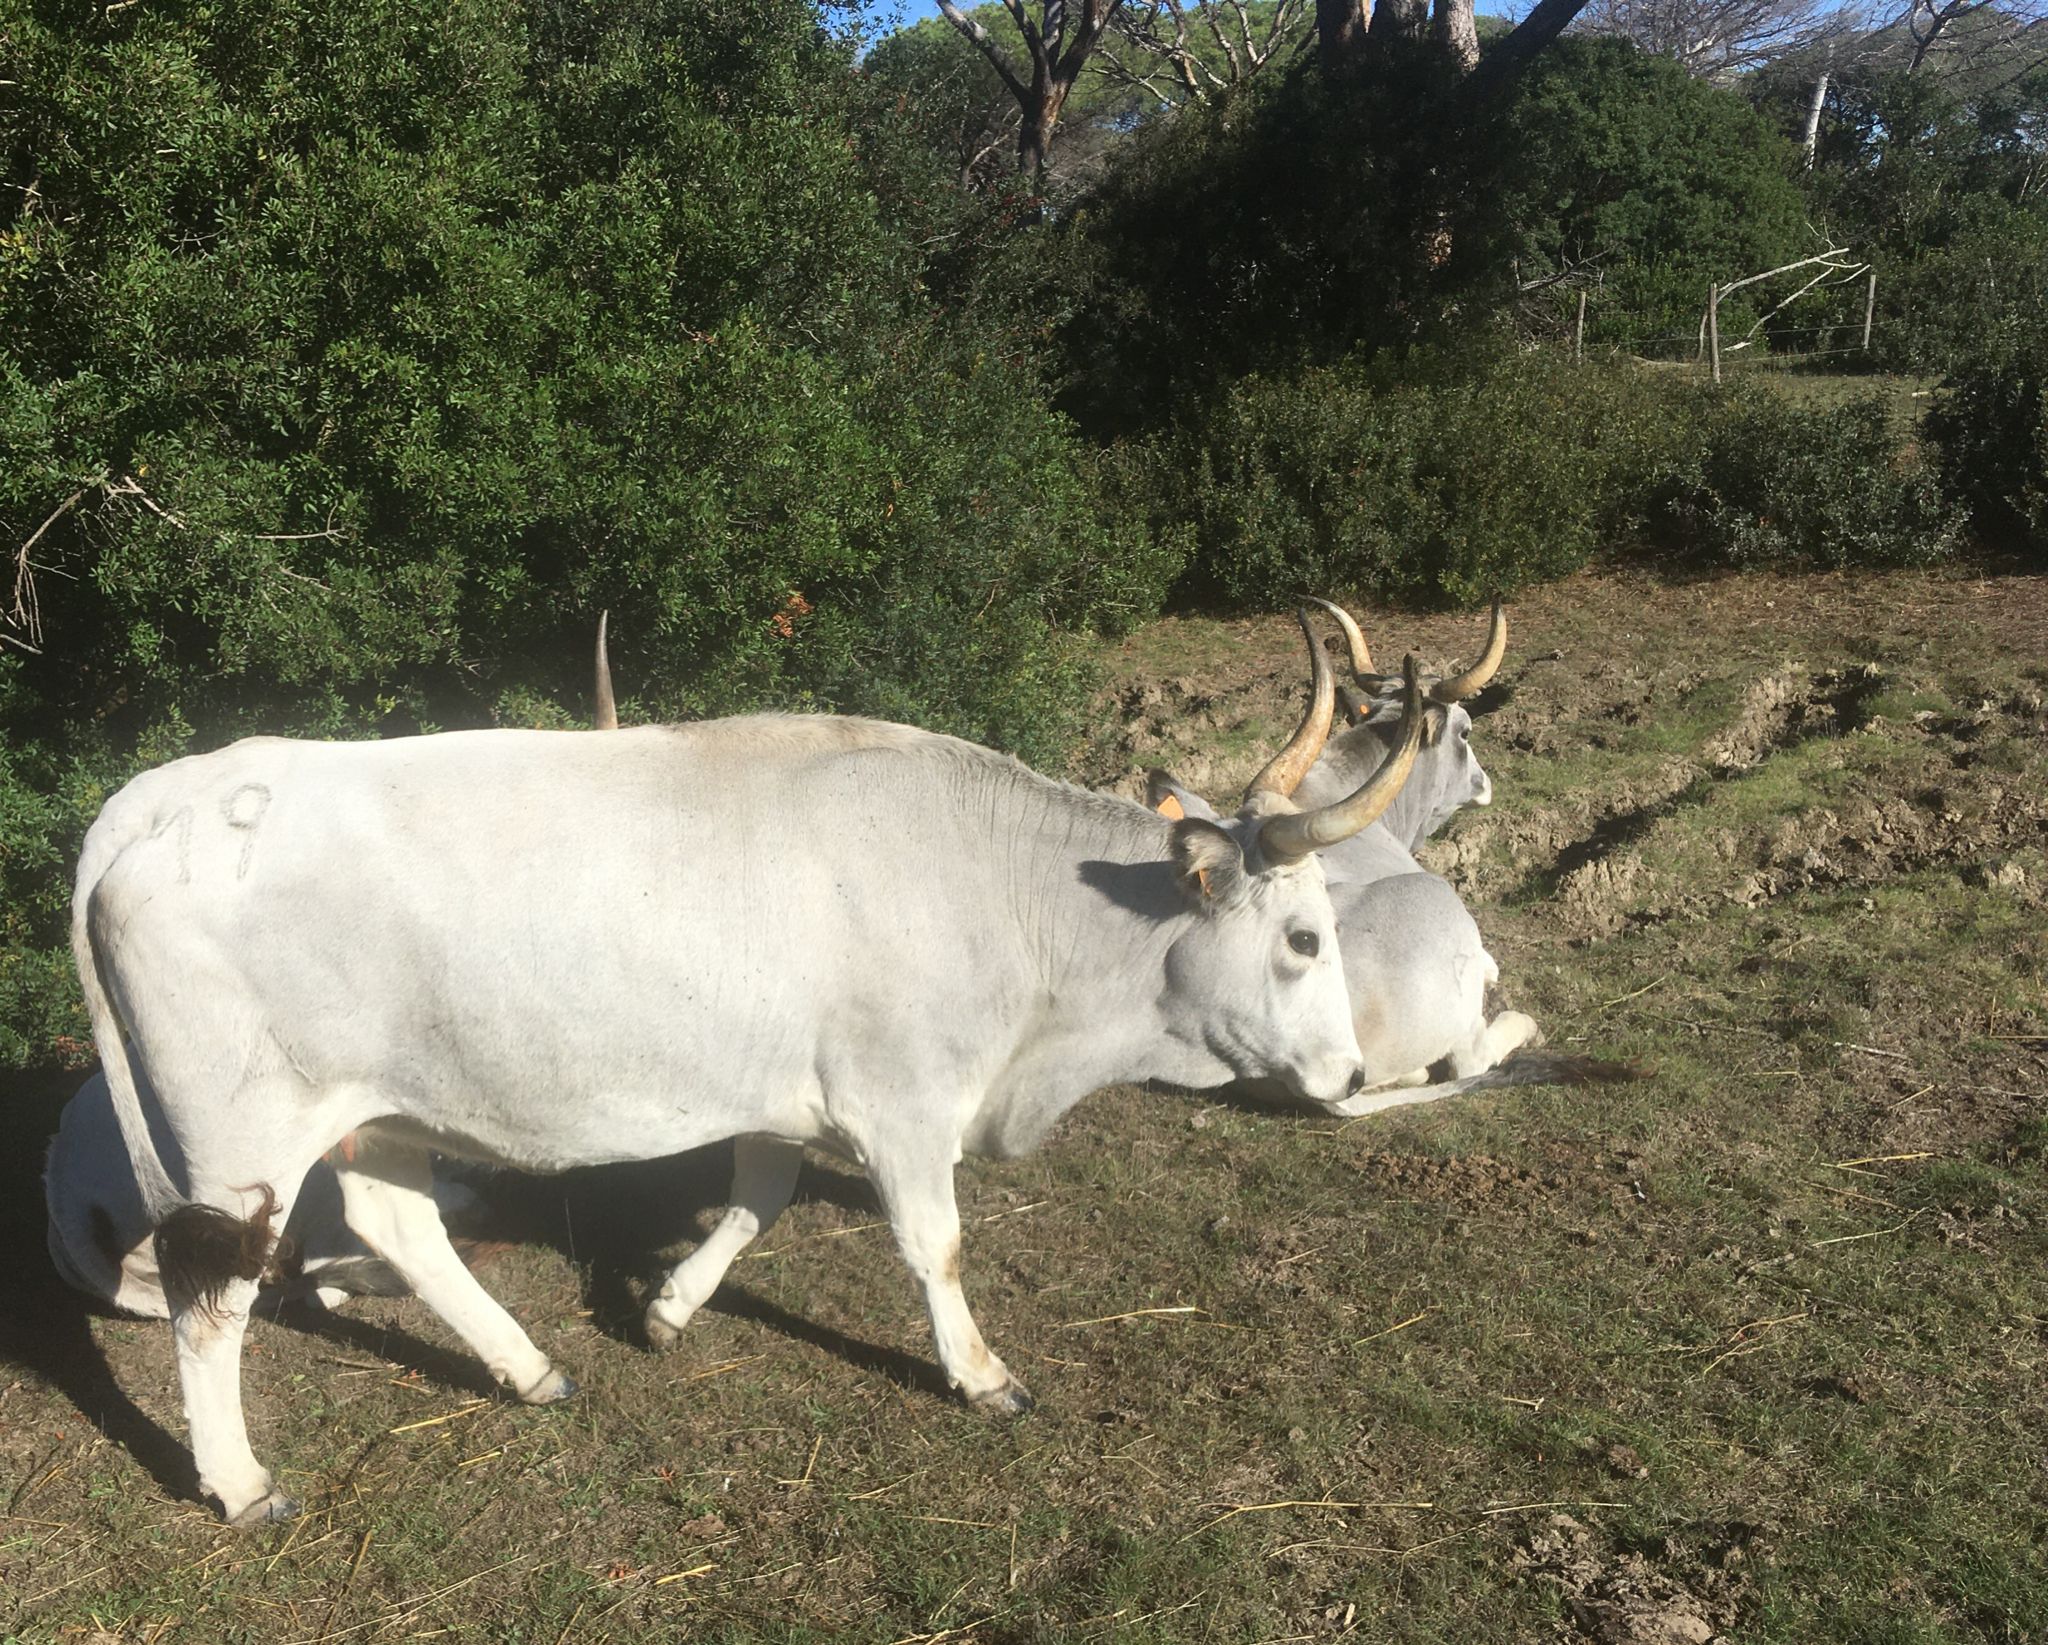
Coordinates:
<point>1531,1065</point>
<point>1541,1065</point>
<point>159,1196</point>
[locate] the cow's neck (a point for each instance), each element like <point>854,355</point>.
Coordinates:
<point>1102,911</point>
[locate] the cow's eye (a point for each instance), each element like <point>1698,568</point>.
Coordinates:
<point>1305,943</point>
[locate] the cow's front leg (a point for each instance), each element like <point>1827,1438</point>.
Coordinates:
<point>764,1172</point>
<point>917,1193</point>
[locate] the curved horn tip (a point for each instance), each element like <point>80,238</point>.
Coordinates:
<point>1283,773</point>
<point>1291,836</point>
<point>1354,636</point>
<point>1457,687</point>
<point>605,709</point>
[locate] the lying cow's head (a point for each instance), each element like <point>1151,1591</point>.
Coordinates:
<point>1447,775</point>
<point>1258,980</point>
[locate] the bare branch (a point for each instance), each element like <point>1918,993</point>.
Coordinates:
<point>26,613</point>
<point>984,42</point>
<point>1720,39</point>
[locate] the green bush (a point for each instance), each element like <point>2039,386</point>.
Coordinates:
<point>1620,163</point>
<point>1433,478</point>
<point>1763,481</point>
<point>1991,423</point>
<point>351,358</point>
<point>1447,477</point>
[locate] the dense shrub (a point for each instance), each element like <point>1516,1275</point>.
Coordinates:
<point>1992,426</point>
<point>352,357</point>
<point>1761,480</point>
<point>1623,166</point>
<point>1293,223</point>
<point>1451,476</point>
<point>1934,176</point>
<point>1429,477</point>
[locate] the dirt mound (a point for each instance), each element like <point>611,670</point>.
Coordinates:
<point>1210,737</point>
<point>1682,1592</point>
<point>1469,1179</point>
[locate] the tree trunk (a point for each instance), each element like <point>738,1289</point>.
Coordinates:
<point>1340,30</point>
<point>1399,20</point>
<point>1819,99</point>
<point>1457,37</point>
<point>1546,20</point>
<point>1041,120</point>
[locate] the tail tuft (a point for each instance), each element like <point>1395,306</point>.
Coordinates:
<point>1539,1065</point>
<point>201,1250</point>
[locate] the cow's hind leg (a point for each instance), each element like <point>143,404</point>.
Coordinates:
<point>1494,1043</point>
<point>387,1194</point>
<point>764,1172</point>
<point>917,1192</point>
<point>211,1259</point>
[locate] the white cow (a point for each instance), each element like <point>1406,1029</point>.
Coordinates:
<point>1447,775</point>
<point>1414,961</point>
<point>552,949</point>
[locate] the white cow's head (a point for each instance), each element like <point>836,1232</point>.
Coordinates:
<point>1448,775</point>
<point>1256,980</point>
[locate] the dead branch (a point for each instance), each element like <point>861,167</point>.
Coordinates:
<point>26,612</point>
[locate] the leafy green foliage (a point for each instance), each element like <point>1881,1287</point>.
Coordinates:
<point>1191,289</point>
<point>1623,164</point>
<point>1437,477</point>
<point>1938,182</point>
<point>1449,476</point>
<point>351,358</point>
<point>1759,480</point>
<point>1992,426</point>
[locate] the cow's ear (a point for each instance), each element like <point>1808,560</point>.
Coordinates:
<point>1172,801</point>
<point>1207,864</point>
<point>1356,705</point>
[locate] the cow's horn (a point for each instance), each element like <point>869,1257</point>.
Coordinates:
<point>1293,835</point>
<point>1473,680</point>
<point>1361,657</point>
<point>606,715</point>
<point>1283,773</point>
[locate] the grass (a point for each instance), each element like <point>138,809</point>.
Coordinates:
<point>1757,1342</point>
<point>1814,388</point>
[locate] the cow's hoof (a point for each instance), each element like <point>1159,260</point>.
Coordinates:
<point>662,1334</point>
<point>1013,1399</point>
<point>272,1508</point>
<point>550,1390</point>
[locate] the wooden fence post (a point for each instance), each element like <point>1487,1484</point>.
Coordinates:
<point>1714,327</point>
<point>1869,309</point>
<point>1579,340</point>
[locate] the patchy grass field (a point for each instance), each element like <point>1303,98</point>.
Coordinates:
<point>1753,1348</point>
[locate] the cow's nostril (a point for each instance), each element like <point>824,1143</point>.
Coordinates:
<point>1357,1082</point>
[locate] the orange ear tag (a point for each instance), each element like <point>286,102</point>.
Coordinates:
<point>1171,808</point>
